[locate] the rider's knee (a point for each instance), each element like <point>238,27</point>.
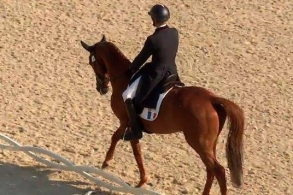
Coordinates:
<point>126,95</point>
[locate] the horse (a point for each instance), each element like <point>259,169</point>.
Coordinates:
<point>197,112</point>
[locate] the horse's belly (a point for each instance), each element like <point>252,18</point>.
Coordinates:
<point>167,122</point>
<point>159,127</point>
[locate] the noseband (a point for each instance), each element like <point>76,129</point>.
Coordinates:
<point>101,81</point>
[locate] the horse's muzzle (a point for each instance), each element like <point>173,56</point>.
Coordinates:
<point>103,90</point>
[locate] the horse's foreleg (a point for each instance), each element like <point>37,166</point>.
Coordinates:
<point>139,160</point>
<point>115,138</point>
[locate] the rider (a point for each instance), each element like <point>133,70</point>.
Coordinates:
<point>162,45</point>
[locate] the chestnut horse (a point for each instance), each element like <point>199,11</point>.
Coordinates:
<point>195,111</point>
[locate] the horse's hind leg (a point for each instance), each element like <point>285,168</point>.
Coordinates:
<point>203,140</point>
<point>214,168</point>
<point>114,140</point>
<point>210,173</point>
<point>209,182</point>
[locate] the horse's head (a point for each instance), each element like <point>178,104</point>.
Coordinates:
<point>98,65</point>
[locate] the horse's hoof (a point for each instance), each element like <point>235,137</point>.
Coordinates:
<point>141,183</point>
<point>105,165</point>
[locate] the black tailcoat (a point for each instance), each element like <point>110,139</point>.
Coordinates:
<point>162,45</point>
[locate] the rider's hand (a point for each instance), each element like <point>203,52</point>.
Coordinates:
<point>130,71</point>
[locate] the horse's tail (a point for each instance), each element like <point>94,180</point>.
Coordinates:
<point>234,145</point>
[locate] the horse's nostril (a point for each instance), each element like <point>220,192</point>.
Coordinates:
<point>105,90</point>
<point>102,90</point>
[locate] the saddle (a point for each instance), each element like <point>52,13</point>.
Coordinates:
<point>170,81</point>
<point>150,108</point>
<point>151,102</point>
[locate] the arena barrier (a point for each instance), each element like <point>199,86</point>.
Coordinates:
<point>69,166</point>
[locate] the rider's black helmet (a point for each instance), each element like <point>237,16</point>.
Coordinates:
<point>159,13</point>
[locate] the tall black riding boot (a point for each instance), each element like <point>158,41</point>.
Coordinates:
<point>136,127</point>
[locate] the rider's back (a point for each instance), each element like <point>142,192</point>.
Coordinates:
<point>165,46</point>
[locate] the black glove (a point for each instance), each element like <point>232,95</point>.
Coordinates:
<point>130,72</point>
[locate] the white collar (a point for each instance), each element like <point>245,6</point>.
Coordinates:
<point>162,26</point>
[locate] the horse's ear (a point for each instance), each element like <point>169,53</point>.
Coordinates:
<point>104,39</point>
<point>87,47</point>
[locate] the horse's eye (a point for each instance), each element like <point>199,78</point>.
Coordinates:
<point>93,59</point>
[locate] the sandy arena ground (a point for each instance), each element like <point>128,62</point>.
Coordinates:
<point>241,50</point>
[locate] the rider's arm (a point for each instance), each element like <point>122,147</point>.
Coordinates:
<point>142,57</point>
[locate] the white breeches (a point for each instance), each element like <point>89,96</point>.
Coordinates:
<point>131,90</point>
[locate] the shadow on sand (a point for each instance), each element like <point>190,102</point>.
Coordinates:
<point>34,180</point>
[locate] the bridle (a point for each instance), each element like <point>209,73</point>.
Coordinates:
<point>101,81</point>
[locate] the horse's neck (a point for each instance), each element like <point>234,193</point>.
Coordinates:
<point>119,65</point>
<point>117,59</point>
